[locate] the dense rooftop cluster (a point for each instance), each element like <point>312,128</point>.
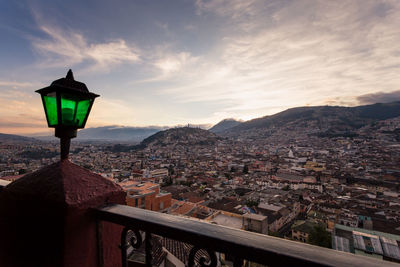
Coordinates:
<point>288,182</point>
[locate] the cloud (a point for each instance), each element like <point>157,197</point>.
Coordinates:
<point>13,120</point>
<point>174,62</point>
<point>379,97</point>
<point>279,54</point>
<point>273,55</point>
<point>110,111</point>
<point>112,53</point>
<point>242,16</point>
<point>249,59</point>
<point>12,124</point>
<point>63,47</point>
<point>228,8</point>
<point>15,84</point>
<point>189,27</point>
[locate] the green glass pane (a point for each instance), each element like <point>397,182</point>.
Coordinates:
<point>50,104</point>
<point>68,109</point>
<point>82,112</point>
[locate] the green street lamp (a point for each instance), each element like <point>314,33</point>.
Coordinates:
<point>67,104</point>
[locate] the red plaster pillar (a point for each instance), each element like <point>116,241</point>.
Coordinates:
<point>46,220</point>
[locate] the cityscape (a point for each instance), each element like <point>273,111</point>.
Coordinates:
<point>207,133</point>
<point>290,181</point>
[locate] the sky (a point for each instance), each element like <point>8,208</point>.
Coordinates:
<point>196,61</point>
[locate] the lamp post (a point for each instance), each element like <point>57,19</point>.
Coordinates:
<point>67,104</point>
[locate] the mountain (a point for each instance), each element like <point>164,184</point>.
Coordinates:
<point>184,136</point>
<point>116,133</point>
<point>16,138</point>
<point>224,125</point>
<point>317,120</point>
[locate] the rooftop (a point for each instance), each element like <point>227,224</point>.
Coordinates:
<point>227,219</point>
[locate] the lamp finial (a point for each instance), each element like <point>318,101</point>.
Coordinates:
<point>70,75</point>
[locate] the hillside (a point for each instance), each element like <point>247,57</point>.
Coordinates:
<point>384,129</point>
<point>224,125</point>
<point>10,138</point>
<point>184,136</point>
<point>318,120</point>
<point>116,133</point>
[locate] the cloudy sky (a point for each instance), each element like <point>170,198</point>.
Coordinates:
<point>197,61</point>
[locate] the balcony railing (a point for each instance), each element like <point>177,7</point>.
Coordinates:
<point>207,241</point>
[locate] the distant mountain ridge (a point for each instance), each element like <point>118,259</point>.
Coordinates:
<point>118,133</point>
<point>16,138</point>
<point>186,136</point>
<point>323,121</point>
<point>320,119</point>
<point>224,125</point>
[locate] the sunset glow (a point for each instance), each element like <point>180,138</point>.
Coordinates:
<point>178,62</point>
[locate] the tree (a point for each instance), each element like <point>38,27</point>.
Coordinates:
<point>171,170</point>
<point>276,234</point>
<point>252,203</point>
<point>168,181</point>
<point>228,176</point>
<point>320,237</point>
<point>286,188</point>
<point>245,169</point>
<point>187,183</point>
<point>87,166</point>
<point>318,176</point>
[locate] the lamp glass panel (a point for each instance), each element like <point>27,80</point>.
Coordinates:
<point>74,110</point>
<point>68,110</point>
<point>50,105</point>
<point>82,111</point>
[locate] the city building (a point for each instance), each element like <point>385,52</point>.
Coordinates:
<point>255,223</point>
<point>366,242</point>
<point>301,230</point>
<point>146,195</point>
